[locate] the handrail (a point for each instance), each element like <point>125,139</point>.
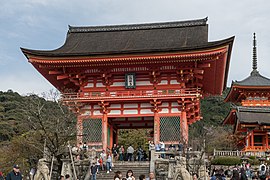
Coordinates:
<point>131,93</point>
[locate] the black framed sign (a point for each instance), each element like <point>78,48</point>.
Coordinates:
<point>130,80</point>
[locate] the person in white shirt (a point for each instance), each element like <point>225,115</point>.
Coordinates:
<point>130,151</point>
<point>162,148</point>
<point>103,157</point>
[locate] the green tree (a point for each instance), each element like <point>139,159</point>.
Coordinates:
<point>32,124</point>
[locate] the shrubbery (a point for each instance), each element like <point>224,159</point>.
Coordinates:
<point>228,161</point>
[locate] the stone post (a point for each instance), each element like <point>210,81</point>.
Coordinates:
<point>172,164</point>
<point>66,168</point>
<point>152,161</point>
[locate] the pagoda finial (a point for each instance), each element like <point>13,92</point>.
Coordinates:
<point>254,53</point>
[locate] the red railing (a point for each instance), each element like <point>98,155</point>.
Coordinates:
<point>256,102</point>
<point>257,148</point>
<point>95,95</point>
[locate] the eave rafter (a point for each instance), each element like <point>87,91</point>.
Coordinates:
<point>106,76</point>
<point>241,93</point>
<point>192,107</point>
<point>104,107</point>
<point>74,106</point>
<point>155,103</point>
<point>154,76</point>
<point>77,78</point>
<point>193,75</point>
<point>132,59</point>
<point>54,72</point>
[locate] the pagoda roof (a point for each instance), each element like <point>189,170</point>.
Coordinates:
<point>134,38</point>
<point>248,115</point>
<point>254,81</point>
<point>251,115</point>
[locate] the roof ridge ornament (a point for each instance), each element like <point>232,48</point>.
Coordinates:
<point>254,62</point>
<point>142,26</point>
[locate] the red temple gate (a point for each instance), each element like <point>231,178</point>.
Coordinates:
<point>136,76</point>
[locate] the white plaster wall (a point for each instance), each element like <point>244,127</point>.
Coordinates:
<point>132,111</point>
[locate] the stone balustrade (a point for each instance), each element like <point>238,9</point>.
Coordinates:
<point>238,153</point>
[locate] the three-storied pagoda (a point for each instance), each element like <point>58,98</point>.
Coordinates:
<point>251,112</point>
<point>136,76</point>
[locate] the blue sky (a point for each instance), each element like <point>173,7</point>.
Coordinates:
<point>43,24</point>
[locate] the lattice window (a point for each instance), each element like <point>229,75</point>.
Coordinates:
<point>170,128</point>
<point>92,130</point>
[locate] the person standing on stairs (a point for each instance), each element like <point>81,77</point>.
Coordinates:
<point>121,151</point>
<point>93,171</point>
<point>130,151</point>
<point>103,160</point>
<point>109,162</point>
<point>115,152</point>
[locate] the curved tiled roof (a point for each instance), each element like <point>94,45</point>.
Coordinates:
<point>254,115</point>
<point>248,115</point>
<point>255,79</point>
<point>135,38</point>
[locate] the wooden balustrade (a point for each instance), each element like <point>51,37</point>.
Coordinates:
<point>131,94</point>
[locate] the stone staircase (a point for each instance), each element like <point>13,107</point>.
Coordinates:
<point>138,168</point>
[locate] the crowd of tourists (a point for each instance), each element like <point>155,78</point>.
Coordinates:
<point>104,161</point>
<point>242,172</point>
<point>130,176</point>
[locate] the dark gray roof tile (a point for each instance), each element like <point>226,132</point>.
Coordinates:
<point>136,38</point>
<point>255,79</point>
<point>253,115</point>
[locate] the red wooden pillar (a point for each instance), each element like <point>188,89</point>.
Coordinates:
<point>111,136</point>
<point>116,138</point>
<point>184,127</point>
<point>156,127</point>
<point>266,140</point>
<point>252,139</point>
<point>263,142</point>
<point>105,131</point>
<point>79,130</point>
<point>248,141</point>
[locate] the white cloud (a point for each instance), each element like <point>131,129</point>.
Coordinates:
<point>42,24</point>
<point>25,83</point>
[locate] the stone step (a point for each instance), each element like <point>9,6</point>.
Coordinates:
<point>138,168</point>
